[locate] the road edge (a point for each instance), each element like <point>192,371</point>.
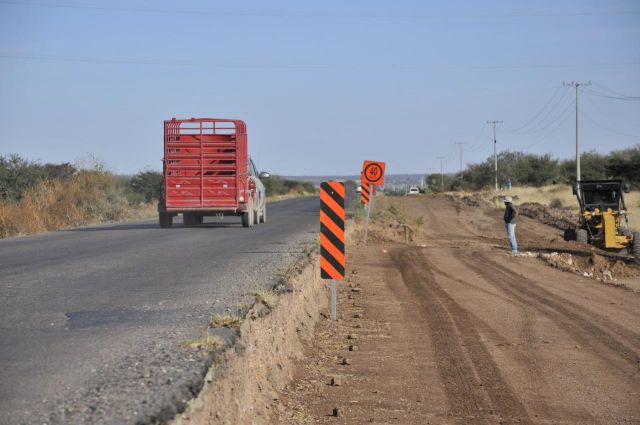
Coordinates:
<point>239,388</point>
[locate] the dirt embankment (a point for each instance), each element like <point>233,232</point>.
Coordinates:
<point>608,270</point>
<point>241,386</point>
<point>560,218</point>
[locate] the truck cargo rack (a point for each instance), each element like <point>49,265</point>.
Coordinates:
<point>204,163</point>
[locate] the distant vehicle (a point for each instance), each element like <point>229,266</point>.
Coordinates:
<point>207,172</point>
<point>359,189</point>
<point>603,216</point>
<point>413,191</point>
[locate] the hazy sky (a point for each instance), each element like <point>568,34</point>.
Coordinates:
<point>322,85</point>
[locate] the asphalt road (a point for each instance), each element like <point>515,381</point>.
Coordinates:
<point>91,319</point>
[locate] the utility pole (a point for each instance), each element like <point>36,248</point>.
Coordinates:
<point>577,85</point>
<point>460,145</point>
<point>426,180</point>
<point>441,158</point>
<point>495,150</point>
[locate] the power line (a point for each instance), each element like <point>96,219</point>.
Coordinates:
<point>592,121</point>
<point>325,15</point>
<point>608,96</point>
<point>518,129</point>
<point>336,66</point>
<point>562,117</point>
<point>614,93</point>
<point>479,141</point>
<point>540,126</point>
<point>460,145</point>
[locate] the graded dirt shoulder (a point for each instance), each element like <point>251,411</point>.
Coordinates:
<point>450,329</point>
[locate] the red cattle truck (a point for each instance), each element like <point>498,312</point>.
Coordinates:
<point>207,171</point>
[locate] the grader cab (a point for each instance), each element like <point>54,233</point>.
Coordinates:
<point>603,216</point>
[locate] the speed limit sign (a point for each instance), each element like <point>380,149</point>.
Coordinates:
<point>373,172</point>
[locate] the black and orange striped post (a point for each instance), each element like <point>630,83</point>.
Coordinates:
<point>332,254</point>
<point>365,190</point>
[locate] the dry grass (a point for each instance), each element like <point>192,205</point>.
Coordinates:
<point>209,343</point>
<point>89,197</point>
<point>265,296</point>
<point>388,209</point>
<point>225,321</point>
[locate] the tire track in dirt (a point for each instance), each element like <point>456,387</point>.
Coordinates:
<point>525,356</point>
<point>442,231</point>
<point>584,327</point>
<point>472,381</point>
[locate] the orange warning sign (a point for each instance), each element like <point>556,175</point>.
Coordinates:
<point>332,241</point>
<point>373,172</point>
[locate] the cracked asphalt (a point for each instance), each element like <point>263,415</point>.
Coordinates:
<point>91,319</point>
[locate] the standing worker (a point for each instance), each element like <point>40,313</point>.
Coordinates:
<point>510,214</point>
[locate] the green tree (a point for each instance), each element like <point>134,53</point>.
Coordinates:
<point>18,174</point>
<point>625,164</point>
<point>147,185</point>
<point>593,166</point>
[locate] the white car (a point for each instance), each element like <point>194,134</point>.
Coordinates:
<point>414,191</point>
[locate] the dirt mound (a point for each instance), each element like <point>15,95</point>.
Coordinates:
<point>593,266</point>
<point>473,200</point>
<point>560,218</point>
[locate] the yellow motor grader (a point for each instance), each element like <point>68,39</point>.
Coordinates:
<point>603,216</point>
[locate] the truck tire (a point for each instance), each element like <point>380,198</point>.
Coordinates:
<point>247,216</point>
<point>165,220</point>
<point>245,219</point>
<point>582,236</point>
<point>199,219</point>
<point>635,250</point>
<point>570,235</point>
<point>263,216</point>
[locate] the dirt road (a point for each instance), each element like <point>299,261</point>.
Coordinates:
<point>450,329</point>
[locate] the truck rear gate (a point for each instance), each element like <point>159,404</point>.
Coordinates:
<point>205,164</point>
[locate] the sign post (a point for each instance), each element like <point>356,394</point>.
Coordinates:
<point>372,175</point>
<point>332,241</point>
<point>368,209</point>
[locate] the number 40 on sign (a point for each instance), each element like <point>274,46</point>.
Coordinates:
<point>373,172</point>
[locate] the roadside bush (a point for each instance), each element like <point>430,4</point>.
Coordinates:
<point>17,175</point>
<point>556,203</point>
<point>145,187</point>
<point>277,185</point>
<point>87,197</point>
